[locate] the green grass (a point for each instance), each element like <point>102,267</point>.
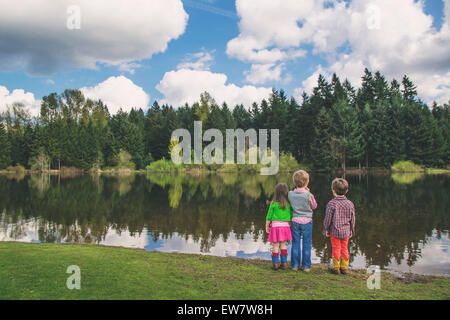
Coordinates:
<point>164,165</point>
<point>38,271</point>
<point>406,166</point>
<point>287,163</point>
<point>436,171</point>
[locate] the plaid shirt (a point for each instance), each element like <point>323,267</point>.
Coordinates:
<point>340,218</point>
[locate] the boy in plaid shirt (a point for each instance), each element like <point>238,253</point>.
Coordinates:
<point>339,225</point>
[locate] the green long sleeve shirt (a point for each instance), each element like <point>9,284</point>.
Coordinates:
<point>276,213</point>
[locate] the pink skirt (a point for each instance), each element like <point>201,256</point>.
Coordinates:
<point>280,231</point>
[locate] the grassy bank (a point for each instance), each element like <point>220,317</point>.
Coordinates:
<point>411,167</point>
<point>38,271</point>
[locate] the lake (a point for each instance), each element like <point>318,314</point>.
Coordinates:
<point>402,221</point>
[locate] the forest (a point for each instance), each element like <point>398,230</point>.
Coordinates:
<point>335,126</point>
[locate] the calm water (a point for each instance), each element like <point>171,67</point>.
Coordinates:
<point>402,221</point>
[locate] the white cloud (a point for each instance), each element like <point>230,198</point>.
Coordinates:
<point>185,85</point>
<point>118,92</point>
<point>406,43</point>
<point>7,99</point>
<point>129,67</point>
<point>274,31</point>
<point>269,34</point>
<point>35,36</point>
<point>266,23</point>
<point>309,83</point>
<point>198,61</point>
<point>261,73</point>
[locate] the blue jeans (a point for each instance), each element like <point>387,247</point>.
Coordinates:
<point>302,254</point>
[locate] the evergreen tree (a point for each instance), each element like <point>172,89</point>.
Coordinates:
<point>242,117</point>
<point>347,132</point>
<point>323,148</point>
<point>5,148</point>
<point>366,94</point>
<point>409,90</point>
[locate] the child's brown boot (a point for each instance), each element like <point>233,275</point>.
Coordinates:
<point>275,266</point>
<point>336,266</point>
<point>344,266</point>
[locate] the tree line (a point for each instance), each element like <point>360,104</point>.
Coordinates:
<point>335,126</point>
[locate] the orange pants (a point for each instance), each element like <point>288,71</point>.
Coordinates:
<point>340,248</point>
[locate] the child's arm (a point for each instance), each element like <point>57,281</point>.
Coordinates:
<point>291,215</point>
<point>312,202</point>
<point>352,222</point>
<point>327,221</point>
<point>269,218</point>
<point>267,226</point>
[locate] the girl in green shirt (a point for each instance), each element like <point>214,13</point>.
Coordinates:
<point>278,225</point>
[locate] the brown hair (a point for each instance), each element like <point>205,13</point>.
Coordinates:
<point>281,195</point>
<point>340,186</point>
<point>300,178</point>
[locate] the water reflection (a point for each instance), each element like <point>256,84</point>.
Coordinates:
<point>400,225</point>
<point>407,178</point>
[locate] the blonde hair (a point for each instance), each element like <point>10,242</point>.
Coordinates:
<point>300,178</point>
<point>340,186</point>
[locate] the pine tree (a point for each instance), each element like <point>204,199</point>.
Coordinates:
<point>293,129</point>
<point>350,92</point>
<point>381,87</point>
<point>242,117</point>
<point>409,90</point>
<point>323,148</point>
<point>347,132</point>
<point>323,93</point>
<point>227,116</point>
<point>338,89</point>
<point>366,94</point>
<point>5,148</point>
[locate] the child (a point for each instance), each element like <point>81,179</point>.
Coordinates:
<point>339,225</point>
<point>303,203</point>
<point>279,216</point>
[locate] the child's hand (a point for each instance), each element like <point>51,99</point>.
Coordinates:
<point>327,234</point>
<point>268,229</point>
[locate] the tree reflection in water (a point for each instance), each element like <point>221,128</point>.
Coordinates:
<point>396,216</point>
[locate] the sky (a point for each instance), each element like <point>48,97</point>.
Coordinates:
<point>131,53</point>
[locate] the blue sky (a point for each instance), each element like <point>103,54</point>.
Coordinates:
<point>209,29</point>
